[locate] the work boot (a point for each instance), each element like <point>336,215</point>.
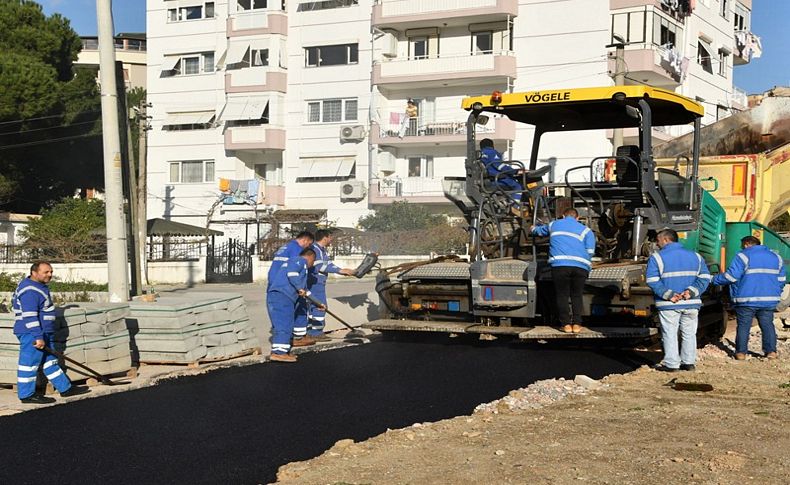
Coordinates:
<point>771,355</point>
<point>37,399</point>
<point>282,358</point>
<point>75,391</point>
<point>663,368</point>
<point>321,337</point>
<point>688,367</point>
<point>577,328</point>
<point>740,356</point>
<point>303,342</point>
<point>567,328</point>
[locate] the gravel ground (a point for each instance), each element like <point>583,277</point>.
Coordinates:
<point>631,428</point>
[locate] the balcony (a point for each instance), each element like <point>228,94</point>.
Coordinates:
<point>747,47</point>
<point>654,65</point>
<point>256,79</point>
<point>273,195</point>
<point>255,137</point>
<point>458,70</point>
<point>271,20</point>
<point>421,132</point>
<point>661,134</point>
<point>416,190</point>
<point>397,14</point>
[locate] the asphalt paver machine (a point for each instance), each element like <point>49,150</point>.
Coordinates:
<point>504,286</point>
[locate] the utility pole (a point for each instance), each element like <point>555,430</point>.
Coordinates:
<point>117,257</point>
<point>619,80</point>
<point>142,186</point>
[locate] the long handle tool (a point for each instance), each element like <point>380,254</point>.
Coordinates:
<point>354,333</point>
<point>103,379</point>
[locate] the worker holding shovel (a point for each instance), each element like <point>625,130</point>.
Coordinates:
<point>34,326</point>
<point>282,297</point>
<point>316,283</point>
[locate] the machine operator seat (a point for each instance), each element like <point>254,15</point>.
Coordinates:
<point>536,175</point>
<point>625,171</point>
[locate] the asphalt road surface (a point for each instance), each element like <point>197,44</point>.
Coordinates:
<point>238,425</point>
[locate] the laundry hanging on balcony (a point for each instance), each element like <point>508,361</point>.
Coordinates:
<point>749,45</point>
<point>675,62</point>
<point>237,192</point>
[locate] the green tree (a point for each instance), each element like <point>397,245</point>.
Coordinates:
<point>71,230</point>
<point>49,111</point>
<point>401,216</point>
<point>781,223</point>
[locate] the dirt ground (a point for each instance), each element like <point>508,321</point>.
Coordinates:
<point>633,429</point>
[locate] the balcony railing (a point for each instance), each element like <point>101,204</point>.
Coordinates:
<point>414,189</point>
<point>256,79</point>
<point>270,20</point>
<point>418,130</point>
<point>273,195</point>
<point>499,64</point>
<point>398,11</point>
<point>255,137</point>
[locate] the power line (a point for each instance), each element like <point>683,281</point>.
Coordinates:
<point>45,142</point>
<point>47,128</point>
<point>48,117</point>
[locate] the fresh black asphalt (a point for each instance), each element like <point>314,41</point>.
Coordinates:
<point>239,424</point>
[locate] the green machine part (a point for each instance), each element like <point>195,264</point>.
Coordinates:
<point>709,238</point>
<point>738,230</point>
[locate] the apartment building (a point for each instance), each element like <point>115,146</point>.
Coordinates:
<point>130,49</point>
<point>264,106</point>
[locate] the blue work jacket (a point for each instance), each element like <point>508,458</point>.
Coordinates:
<point>756,277</point>
<point>571,243</point>
<point>675,269</point>
<point>34,312</point>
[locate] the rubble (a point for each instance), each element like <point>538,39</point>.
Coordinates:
<point>539,394</point>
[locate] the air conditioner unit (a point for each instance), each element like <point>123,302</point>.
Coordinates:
<point>352,133</point>
<point>389,45</point>
<point>385,162</point>
<point>352,190</point>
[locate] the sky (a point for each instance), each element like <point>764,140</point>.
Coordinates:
<point>770,21</point>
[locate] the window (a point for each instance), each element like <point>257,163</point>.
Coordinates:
<point>704,57</point>
<point>270,172</point>
<point>418,47</point>
<point>195,12</point>
<point>724,10</point>
<point>191,172</point>
<point>332,110</point>
<point>420,166</point>
<point>331,55</point>
<point>723,57</point>
<point>243,5</point>
<point>259,57</point>
<point>188,64</point>
<point>665,32</point>
<point>192,120</point>
<point>482,42</point>
<point>741,17</point>
<point>325,5</point>
<point>630,26</point>
<point>326,169</point>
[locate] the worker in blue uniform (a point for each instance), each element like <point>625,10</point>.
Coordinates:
<point>571,248</point>
<point>283,295</point>
<point>291,250</point>
<point>756,277</point>
<point>678,277</point>
<point>34,326</point>
<point>316,282</point>
<point>506,175</point>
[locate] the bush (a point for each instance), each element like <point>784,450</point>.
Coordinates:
<point>401,216</point>
<point>69,231</point>
<point>9,282</point>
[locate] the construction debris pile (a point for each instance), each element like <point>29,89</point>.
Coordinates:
<point>93,334</point>
<point>539,394</point>
<point>181,330</point>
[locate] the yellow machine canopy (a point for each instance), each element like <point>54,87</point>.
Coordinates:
<point>588,108</point>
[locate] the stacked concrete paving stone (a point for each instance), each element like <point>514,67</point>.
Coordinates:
<point>190,329</point>
<point>93,334</point>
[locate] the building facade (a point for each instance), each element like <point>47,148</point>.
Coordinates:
<point>130,49</point>
<point>261,106</point>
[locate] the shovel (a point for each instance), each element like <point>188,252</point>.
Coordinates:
<point>104,380</point>
<point>354,332</point>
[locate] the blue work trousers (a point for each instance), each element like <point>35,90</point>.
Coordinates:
<point>686,321</point>
<point>281,314</point>
<point>300,318</point>
<point>744,315</point>
<point>30,359</point>
<point>317,316</point>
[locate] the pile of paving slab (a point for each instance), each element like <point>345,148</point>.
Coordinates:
<point>183,330</point>
<point>93,334</point>
<point>110,337</point>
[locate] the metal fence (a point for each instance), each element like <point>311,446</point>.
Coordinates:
<point>156,251</point>
<point>175,250</point>
<point>14,254</point>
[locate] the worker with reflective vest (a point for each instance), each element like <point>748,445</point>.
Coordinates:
<point>291,250</point>
<point>678,277</point>
<point>504,174</point>
<point>571,247</point>
<point>285,290</point>
<point>34,326</point>
<point>756,277</point>
<point>316,282</point>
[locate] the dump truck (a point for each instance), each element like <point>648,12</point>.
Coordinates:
<point>503,287</point>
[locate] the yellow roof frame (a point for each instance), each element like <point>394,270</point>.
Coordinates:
<point>590,108</point>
